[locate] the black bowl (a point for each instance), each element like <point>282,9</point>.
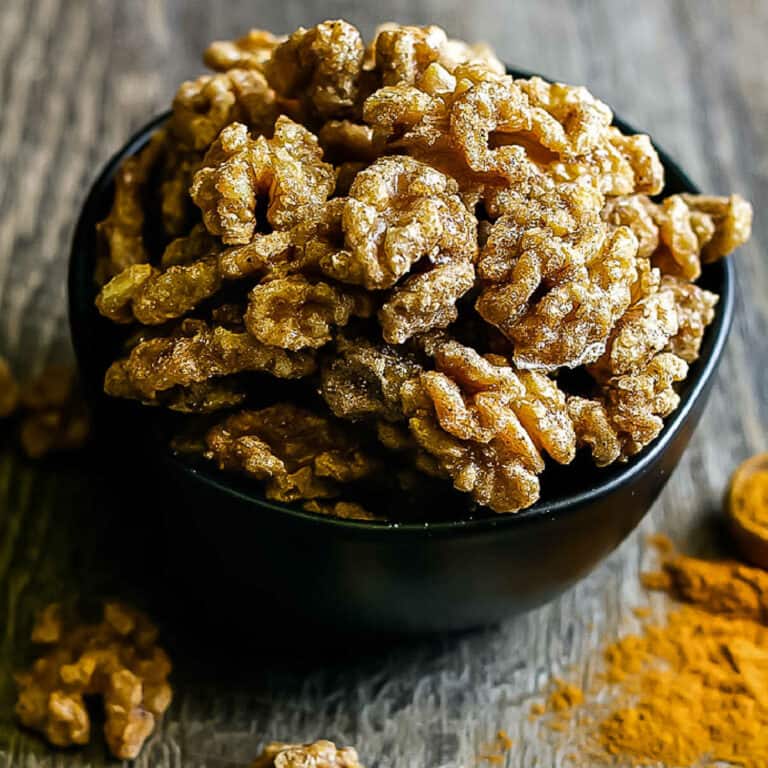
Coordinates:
<point>408,577</point>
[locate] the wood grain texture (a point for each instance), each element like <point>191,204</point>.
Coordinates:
<point>78,76</point>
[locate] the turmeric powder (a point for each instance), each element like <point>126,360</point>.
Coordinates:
<point>690,691</point>
<point>748,509</point>
<point>696,688</point>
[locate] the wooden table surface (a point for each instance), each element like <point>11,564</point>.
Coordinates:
<point>78,76</point>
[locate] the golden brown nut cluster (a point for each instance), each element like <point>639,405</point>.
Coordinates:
<point>422,240</point>
<point>319,754</point>
<point>117,659</point>
<point>51,413</point>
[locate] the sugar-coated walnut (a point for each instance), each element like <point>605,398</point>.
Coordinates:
<point>491,472</point>
<point>696,229</point>
<point>203,107</point>
<point>153,297</point>
<point>425,301</point>
<point>363,380</point>
<point>54,417</point>
<point>122,232</point>
<point>485,425</point>
<point>195,354</point>
<point>645,329</point>
<point>117,659</point>
<point>630,409</point>
<point>594,429</point>
<point>695,311</point>
<point>320,754</point>
<point>730,218</point>
<point>300,455</point>
<point>538,241</point>
<point>194,245</point>
<point>566,119</point>
<point>569,325</point>
<point>9,390</point>
<point>251,51</point>
<point>321,67</point>
<point>239,170</point>
<point>398,212</point>
<point>295,313</point>
<point>263,255</point>
<point>635,212</point>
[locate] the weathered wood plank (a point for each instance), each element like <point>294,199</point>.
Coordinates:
<point>77,76</point>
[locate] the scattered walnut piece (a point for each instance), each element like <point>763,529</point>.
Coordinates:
<point>54,417</point>
<point>117,659</point>
<point>320,754</point>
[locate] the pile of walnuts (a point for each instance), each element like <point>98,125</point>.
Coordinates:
<point>426,243</point>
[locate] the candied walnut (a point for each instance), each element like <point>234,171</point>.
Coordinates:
<point>695,311</point>
<point>9,390</point>
<point>194,355</point>
<point>122,232</point>
<point>237,171</point>
<point>320,754</point>
<point>320,66</point>
<point>152,297</point>
<point>203,107</point>
<point>491,471</point>
<point>566,119</point>
<point>634,211</point>
<point>494,107</point>
<point>485,425</point>
<point>629,410</point>
<point>48,625</point>
<point>251,51</point>
<point>402,53</point>
<point>728,218</point>
<point>195,245</point>
<point>698,228</point>
<point>263,255</point>
<point>425,301</point>
<point>363,380</point>
<point>116,659</point>
<point>348,510</point>
<point>645,329</point>
<point>594,429</point>
<point>301,455</point>
<point>569,325</point>
<point>294,313</point>
<point>54,416</point>
<point>536,242</point>
<point>398,212</point>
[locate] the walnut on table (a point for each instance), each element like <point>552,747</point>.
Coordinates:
<point>117,659</point>
<point>319,754</point>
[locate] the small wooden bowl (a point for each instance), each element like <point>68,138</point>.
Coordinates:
<point>750,532</point>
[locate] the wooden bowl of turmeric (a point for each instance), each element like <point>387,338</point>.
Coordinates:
<point>747,506</point>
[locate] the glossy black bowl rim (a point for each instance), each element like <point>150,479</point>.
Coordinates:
<point>635,467</point>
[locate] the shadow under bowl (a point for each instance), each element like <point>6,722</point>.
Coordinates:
<point>375,577</point>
